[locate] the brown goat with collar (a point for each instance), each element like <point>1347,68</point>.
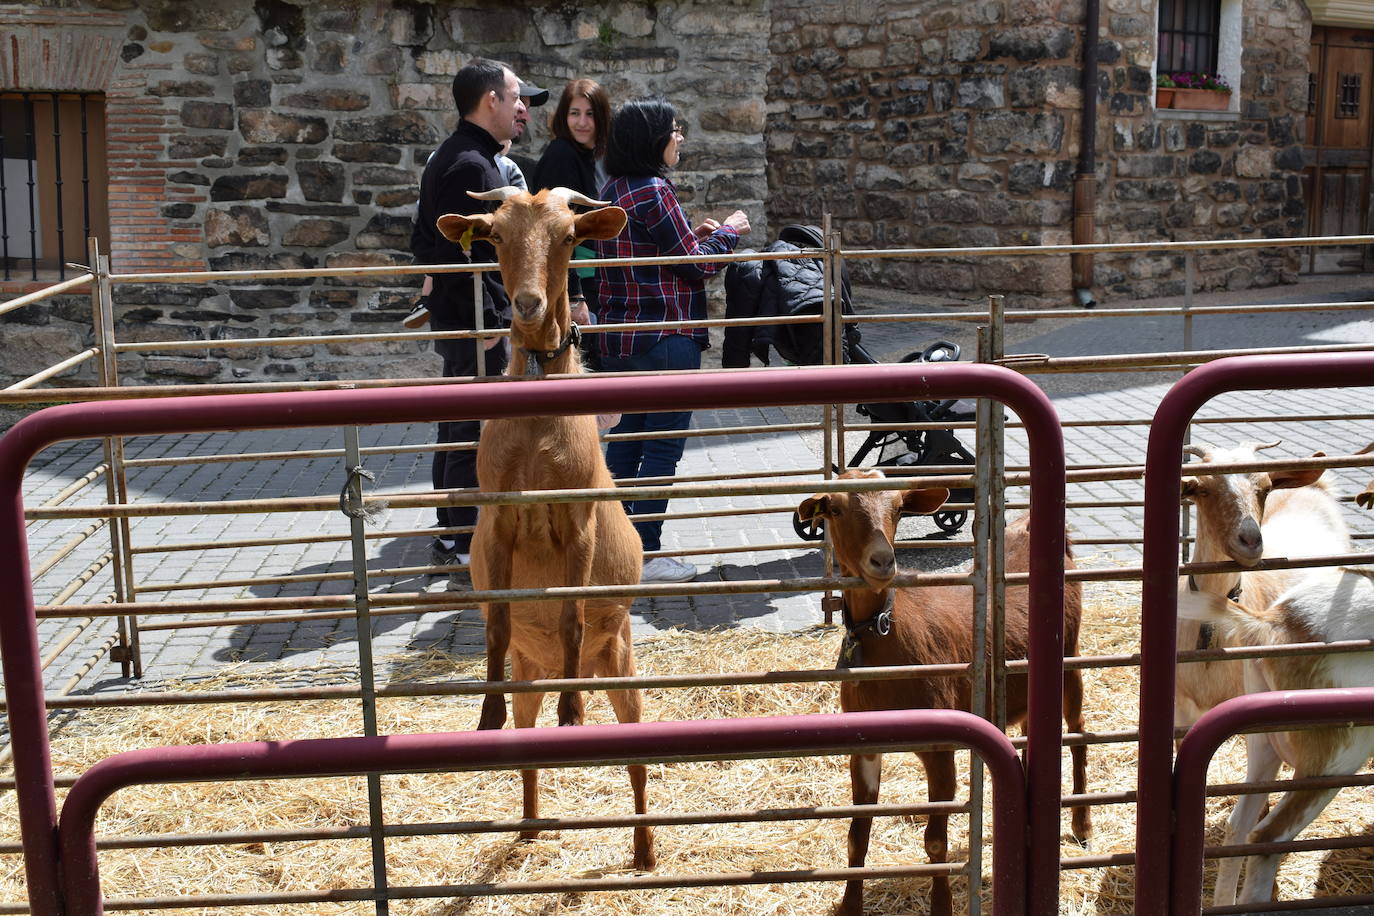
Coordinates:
<point>544,545</point>
<point>929,625</point>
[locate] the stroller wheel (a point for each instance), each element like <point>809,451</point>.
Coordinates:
<point>813,530</point>
<point>950,521</point>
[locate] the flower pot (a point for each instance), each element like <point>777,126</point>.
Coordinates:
<point>1202,99</point>
<point>1164,96</point>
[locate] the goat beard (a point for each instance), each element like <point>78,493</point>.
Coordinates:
<point>534,369</point>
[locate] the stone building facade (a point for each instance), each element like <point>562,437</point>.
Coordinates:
<point>255,134</point>
<point>925,123</point>
<point>247,134</point>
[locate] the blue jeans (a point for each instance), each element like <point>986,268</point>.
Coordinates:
<point>651,457</point>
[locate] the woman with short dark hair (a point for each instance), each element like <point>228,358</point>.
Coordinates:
<point>645,144</point>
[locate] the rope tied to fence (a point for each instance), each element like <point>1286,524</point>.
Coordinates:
<point>351,496</point>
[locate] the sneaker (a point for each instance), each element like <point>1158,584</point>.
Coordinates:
<point>667,569</point>
<point>418,317</point>
<point>441,554</point>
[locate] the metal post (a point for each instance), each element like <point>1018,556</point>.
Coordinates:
<point>997,502</point>
<point>126,653</point>
<point>1189,277</point>
<point>837,331</point>
<point>353,461</point>
<point>978,668</point>
<point>829,284</point>
<point>477,319</point>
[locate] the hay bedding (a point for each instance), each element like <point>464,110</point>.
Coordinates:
<point>1111,627</point>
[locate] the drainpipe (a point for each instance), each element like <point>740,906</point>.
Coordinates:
<point>1085,183</point>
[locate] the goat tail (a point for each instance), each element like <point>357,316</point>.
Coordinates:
<point>1236,620</point>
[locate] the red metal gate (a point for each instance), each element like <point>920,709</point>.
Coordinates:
<point>1041,793</point>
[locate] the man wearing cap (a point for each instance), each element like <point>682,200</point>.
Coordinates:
<point>491,111</point>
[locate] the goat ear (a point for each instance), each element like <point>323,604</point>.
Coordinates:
<point>606,223</point>
<point>924,501</point>
<point>813,507</point>
<point>463,229</point>
<point>1187,487</point>
<point>1299,477</point>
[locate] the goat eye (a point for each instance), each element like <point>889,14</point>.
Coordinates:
<point>494,238</point>
<point>571,239</point>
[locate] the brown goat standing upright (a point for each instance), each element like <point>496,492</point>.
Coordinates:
<point>928,625</point>
<point>542,545</point>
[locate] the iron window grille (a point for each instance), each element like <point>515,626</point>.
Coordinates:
<point>1188,35</point>
<point>54,183</point>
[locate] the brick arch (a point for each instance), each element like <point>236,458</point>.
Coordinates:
<point>58,59</point>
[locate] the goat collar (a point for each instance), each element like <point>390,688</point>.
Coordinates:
<point>1207,632</point>
<point>536,360</point>
<point>852,650</point>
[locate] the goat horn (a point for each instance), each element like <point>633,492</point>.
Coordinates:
<point>505,193</point>
<point>569,196</point>
<point>1262,447</point>
<point>1197,451</point>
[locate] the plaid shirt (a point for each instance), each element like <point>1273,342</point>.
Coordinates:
<point>677,292</point>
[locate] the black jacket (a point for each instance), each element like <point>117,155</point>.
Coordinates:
<point>763,289</point>
<point>466,161</point>
<point>567,165</point>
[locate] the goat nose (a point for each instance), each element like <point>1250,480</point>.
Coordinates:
<point>1249,534</point>
<point>882,566</point>
<point>528,304</point>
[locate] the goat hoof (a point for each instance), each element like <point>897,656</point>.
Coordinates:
<point>852,904</point>
<point>645,859</point>
<point>529,834</point>
<point>1082,828</point>
<point>570,709</point>
<point>493,714</point>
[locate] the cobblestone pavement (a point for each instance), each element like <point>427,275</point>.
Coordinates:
<point>1100,401</point>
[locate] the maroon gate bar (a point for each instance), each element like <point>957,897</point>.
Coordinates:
<point>1299,708</point>
<point>644,742</point>
<point>1159,599</point>
<point>506,398</point>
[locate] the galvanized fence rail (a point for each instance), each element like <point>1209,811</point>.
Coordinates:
<point>133,613</point>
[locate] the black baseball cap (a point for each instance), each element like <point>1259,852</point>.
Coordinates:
<point>533,95</point>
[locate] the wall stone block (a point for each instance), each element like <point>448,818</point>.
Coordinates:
<point>208,115</point>
<point>252,156</point>
<point>323,181</point>
<point>248,187</point>
<point>386,231</point>
<point>240,227</point>
<point>367,152</point>
<point>402,127</point>
<point>372,176</point>
<point>266,126</point>
<point>328,100</point>
<point>196,146</point>
<point>182,89</point>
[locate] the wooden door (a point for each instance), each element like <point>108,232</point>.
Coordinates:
<point>1336,177</point>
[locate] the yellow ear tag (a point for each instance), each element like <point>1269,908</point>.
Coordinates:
<point>465,241</point>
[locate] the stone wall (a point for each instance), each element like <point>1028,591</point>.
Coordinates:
<point>1182,177</point>
<point>925,123</point>
<point>271,134</point>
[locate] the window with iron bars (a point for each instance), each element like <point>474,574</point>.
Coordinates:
<point>54,187</point>
<point>1188,35</point>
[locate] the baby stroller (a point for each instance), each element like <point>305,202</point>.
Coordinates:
<point>795,287</point>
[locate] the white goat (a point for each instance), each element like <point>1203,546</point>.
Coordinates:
<point>1329,604</point>
<point>1244,517</point>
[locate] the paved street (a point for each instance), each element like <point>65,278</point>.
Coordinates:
<point>1101,400</point>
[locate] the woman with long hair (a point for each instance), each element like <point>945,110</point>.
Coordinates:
<point>574,159</point>
<point>645,144</point>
